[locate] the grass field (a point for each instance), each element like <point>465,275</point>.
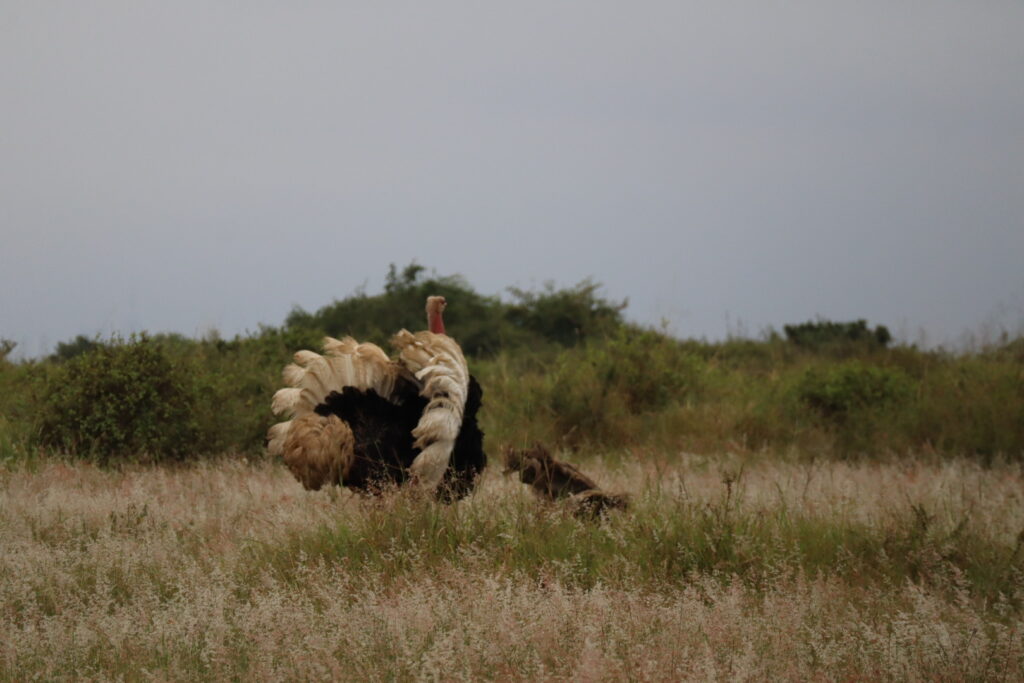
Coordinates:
<point>823,505</point>
<point>725,568</point>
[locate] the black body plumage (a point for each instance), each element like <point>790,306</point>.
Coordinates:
<point>383,436</point>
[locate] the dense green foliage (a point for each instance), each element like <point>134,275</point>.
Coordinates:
<point>16,405</point>
<point>119,400</point>
<point>839,392</point>
<point>834,336</point>
<point>557,365</point>
<point>483,325</point>
<point>77,346</point>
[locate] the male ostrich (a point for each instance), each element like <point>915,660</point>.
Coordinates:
<point>362,420</point>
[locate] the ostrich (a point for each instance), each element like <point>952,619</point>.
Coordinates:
<point>362,420</point>
<point>551,479</point>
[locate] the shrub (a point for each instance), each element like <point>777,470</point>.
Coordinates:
<point>594,390</point>
<point>476,321</point>
<point>234,382</point>
<point>16,404</point>
<point>484,325</point>
<point>844,337</point>
<point>840,391</point>
<point>76,347</point>
<point>121,400</point>
<point>973,406</point>
<point>566,316</point>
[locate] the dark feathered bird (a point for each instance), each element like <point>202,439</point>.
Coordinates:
<point>553,479</point>
<point>363,420</point>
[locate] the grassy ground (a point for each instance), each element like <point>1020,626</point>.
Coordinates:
<point>726,568</point>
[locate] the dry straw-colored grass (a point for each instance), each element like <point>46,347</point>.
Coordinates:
<point>722,570</point>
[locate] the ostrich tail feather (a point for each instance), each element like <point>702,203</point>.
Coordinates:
<point>319,449</point>
<point>436,361</point>
<point>276,436</point>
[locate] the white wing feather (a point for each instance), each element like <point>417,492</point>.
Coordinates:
<point>436,361</point>
<point>312,377</point>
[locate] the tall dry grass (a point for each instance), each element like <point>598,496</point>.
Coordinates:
<point>724,569</point>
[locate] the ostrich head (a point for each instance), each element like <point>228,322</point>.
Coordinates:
<point>435,307</point>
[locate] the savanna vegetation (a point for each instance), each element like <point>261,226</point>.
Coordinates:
<point>820,503</point>
<point>557,365</point>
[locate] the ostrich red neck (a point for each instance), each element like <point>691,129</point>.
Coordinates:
<point>435,308</point>
<point>436,322</point>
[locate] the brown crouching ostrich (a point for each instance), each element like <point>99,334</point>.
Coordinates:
<point>553,479</point>
<point>363,420</point>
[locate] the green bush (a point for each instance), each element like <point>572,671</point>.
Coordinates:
<point>121,400</point>
<point>592,392</point>
<point>234,382</point>
<point>565,316</point>
<point>862,407</point>
<point>484,325</point>
<point>76,347</point>
<point>848,337</point>
<point>971,406</point>
<point>838,392</point>
<point>476,320</point>
<point>16,405</point>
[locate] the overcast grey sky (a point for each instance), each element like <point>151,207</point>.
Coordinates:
<point>181,166</point>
